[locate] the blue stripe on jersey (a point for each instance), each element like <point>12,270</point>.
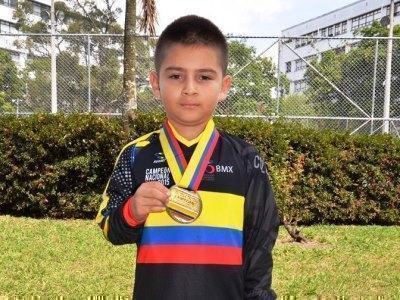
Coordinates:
<point>201,235</point>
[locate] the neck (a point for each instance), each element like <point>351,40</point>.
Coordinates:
<point>188,132</point>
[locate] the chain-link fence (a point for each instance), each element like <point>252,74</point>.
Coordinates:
<point>340,83</point>
<point>337,83</point>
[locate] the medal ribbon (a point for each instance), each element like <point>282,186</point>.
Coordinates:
<point>188,175</point>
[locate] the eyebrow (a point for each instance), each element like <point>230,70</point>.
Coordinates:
<point>182,69</point>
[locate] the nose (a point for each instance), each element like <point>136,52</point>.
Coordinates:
<point>189,88</point>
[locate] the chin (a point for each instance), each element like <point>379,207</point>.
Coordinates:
<point>184,119</point>
<point>191,121</point>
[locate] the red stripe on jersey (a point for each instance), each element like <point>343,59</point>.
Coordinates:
<point>189,254</point>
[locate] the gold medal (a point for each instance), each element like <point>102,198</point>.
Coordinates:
<point>184,203</point>
<point>184,206</point>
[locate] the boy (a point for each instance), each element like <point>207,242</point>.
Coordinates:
<point>196,201</point>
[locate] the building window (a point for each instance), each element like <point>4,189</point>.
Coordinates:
<point>334,30</point>
<point>344,27</point>
<point>309,38</point>
<point>40,9</point>
<point>10,3</point>
<point>288,67</point>
<point>337,29</point>
<point>37,9</point>
<point>300,86</point>
<point>287,40</point>
<point>365,19</point>
<point>7,27</point>
<point>396,9</point>
<point>301,64</point>
<point>330,31</point>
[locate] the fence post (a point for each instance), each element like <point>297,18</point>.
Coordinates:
<point>53,61</point>
<point>386,106</point>
<point>278,72</point>
<point>89,67</point>
<point>374,86</point>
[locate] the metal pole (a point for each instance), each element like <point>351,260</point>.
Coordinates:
<point>386,106</point>
<point>278,72</point>
<point>53,62</point>
<point>374,86</point>
<point>89,65</point>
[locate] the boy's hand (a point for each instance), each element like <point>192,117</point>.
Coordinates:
<point>150,197</point>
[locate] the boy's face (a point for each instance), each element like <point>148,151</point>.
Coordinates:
<point>190,83</point>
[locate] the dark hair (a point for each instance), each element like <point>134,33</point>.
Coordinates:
<point>191,30</point>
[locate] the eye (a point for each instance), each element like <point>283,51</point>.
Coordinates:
<point>205,77</point>
<point>174,76</point>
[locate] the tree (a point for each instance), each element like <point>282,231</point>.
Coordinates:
<point>104,52</point>
<point>295,105</point>
<point>321,94</point>
<point>146,24</point>
<point>253,82</point>
<point>11,86</point>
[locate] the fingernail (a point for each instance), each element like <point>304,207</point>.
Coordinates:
<point>168,193</point>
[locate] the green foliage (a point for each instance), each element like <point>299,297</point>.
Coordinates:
<point>296,105</point>
<point>254,79</point>
<point>10,84</point>
<point>72,73</point>
<point>57,166</point>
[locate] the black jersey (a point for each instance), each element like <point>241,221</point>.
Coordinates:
<point>226,252</point>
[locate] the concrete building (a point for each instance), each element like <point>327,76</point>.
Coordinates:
<point>41,9</point>
<point>341,22</point>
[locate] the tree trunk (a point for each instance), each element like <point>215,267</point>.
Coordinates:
<point>130,93</point>
<point>294,232</point>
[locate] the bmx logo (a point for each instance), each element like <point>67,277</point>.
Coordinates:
<point>212,169</point>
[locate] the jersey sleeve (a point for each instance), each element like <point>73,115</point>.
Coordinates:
<point>111,216</point>
<point>261,226</point>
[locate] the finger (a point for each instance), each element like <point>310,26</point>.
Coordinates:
<point>158,185</point>
<point>153,202</point>
<point>154,193</point>
<point>154,209</point>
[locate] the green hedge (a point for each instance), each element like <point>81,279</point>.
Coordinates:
<point>57,166</point>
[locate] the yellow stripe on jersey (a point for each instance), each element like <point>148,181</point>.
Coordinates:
<point>103,205</point>
<point>219,210</point>
<point>140,142</point>
<point>106,228</point>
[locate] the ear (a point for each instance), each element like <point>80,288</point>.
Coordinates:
<point>155,85</point>
<point>226,85</point>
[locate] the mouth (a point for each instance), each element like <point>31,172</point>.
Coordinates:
<point>189,105</point>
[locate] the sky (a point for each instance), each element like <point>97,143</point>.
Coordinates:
<point>245,17</point>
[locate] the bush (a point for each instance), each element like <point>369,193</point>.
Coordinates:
<point>58,165</point>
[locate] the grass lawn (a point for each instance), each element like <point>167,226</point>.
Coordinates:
<point>71,258</point>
